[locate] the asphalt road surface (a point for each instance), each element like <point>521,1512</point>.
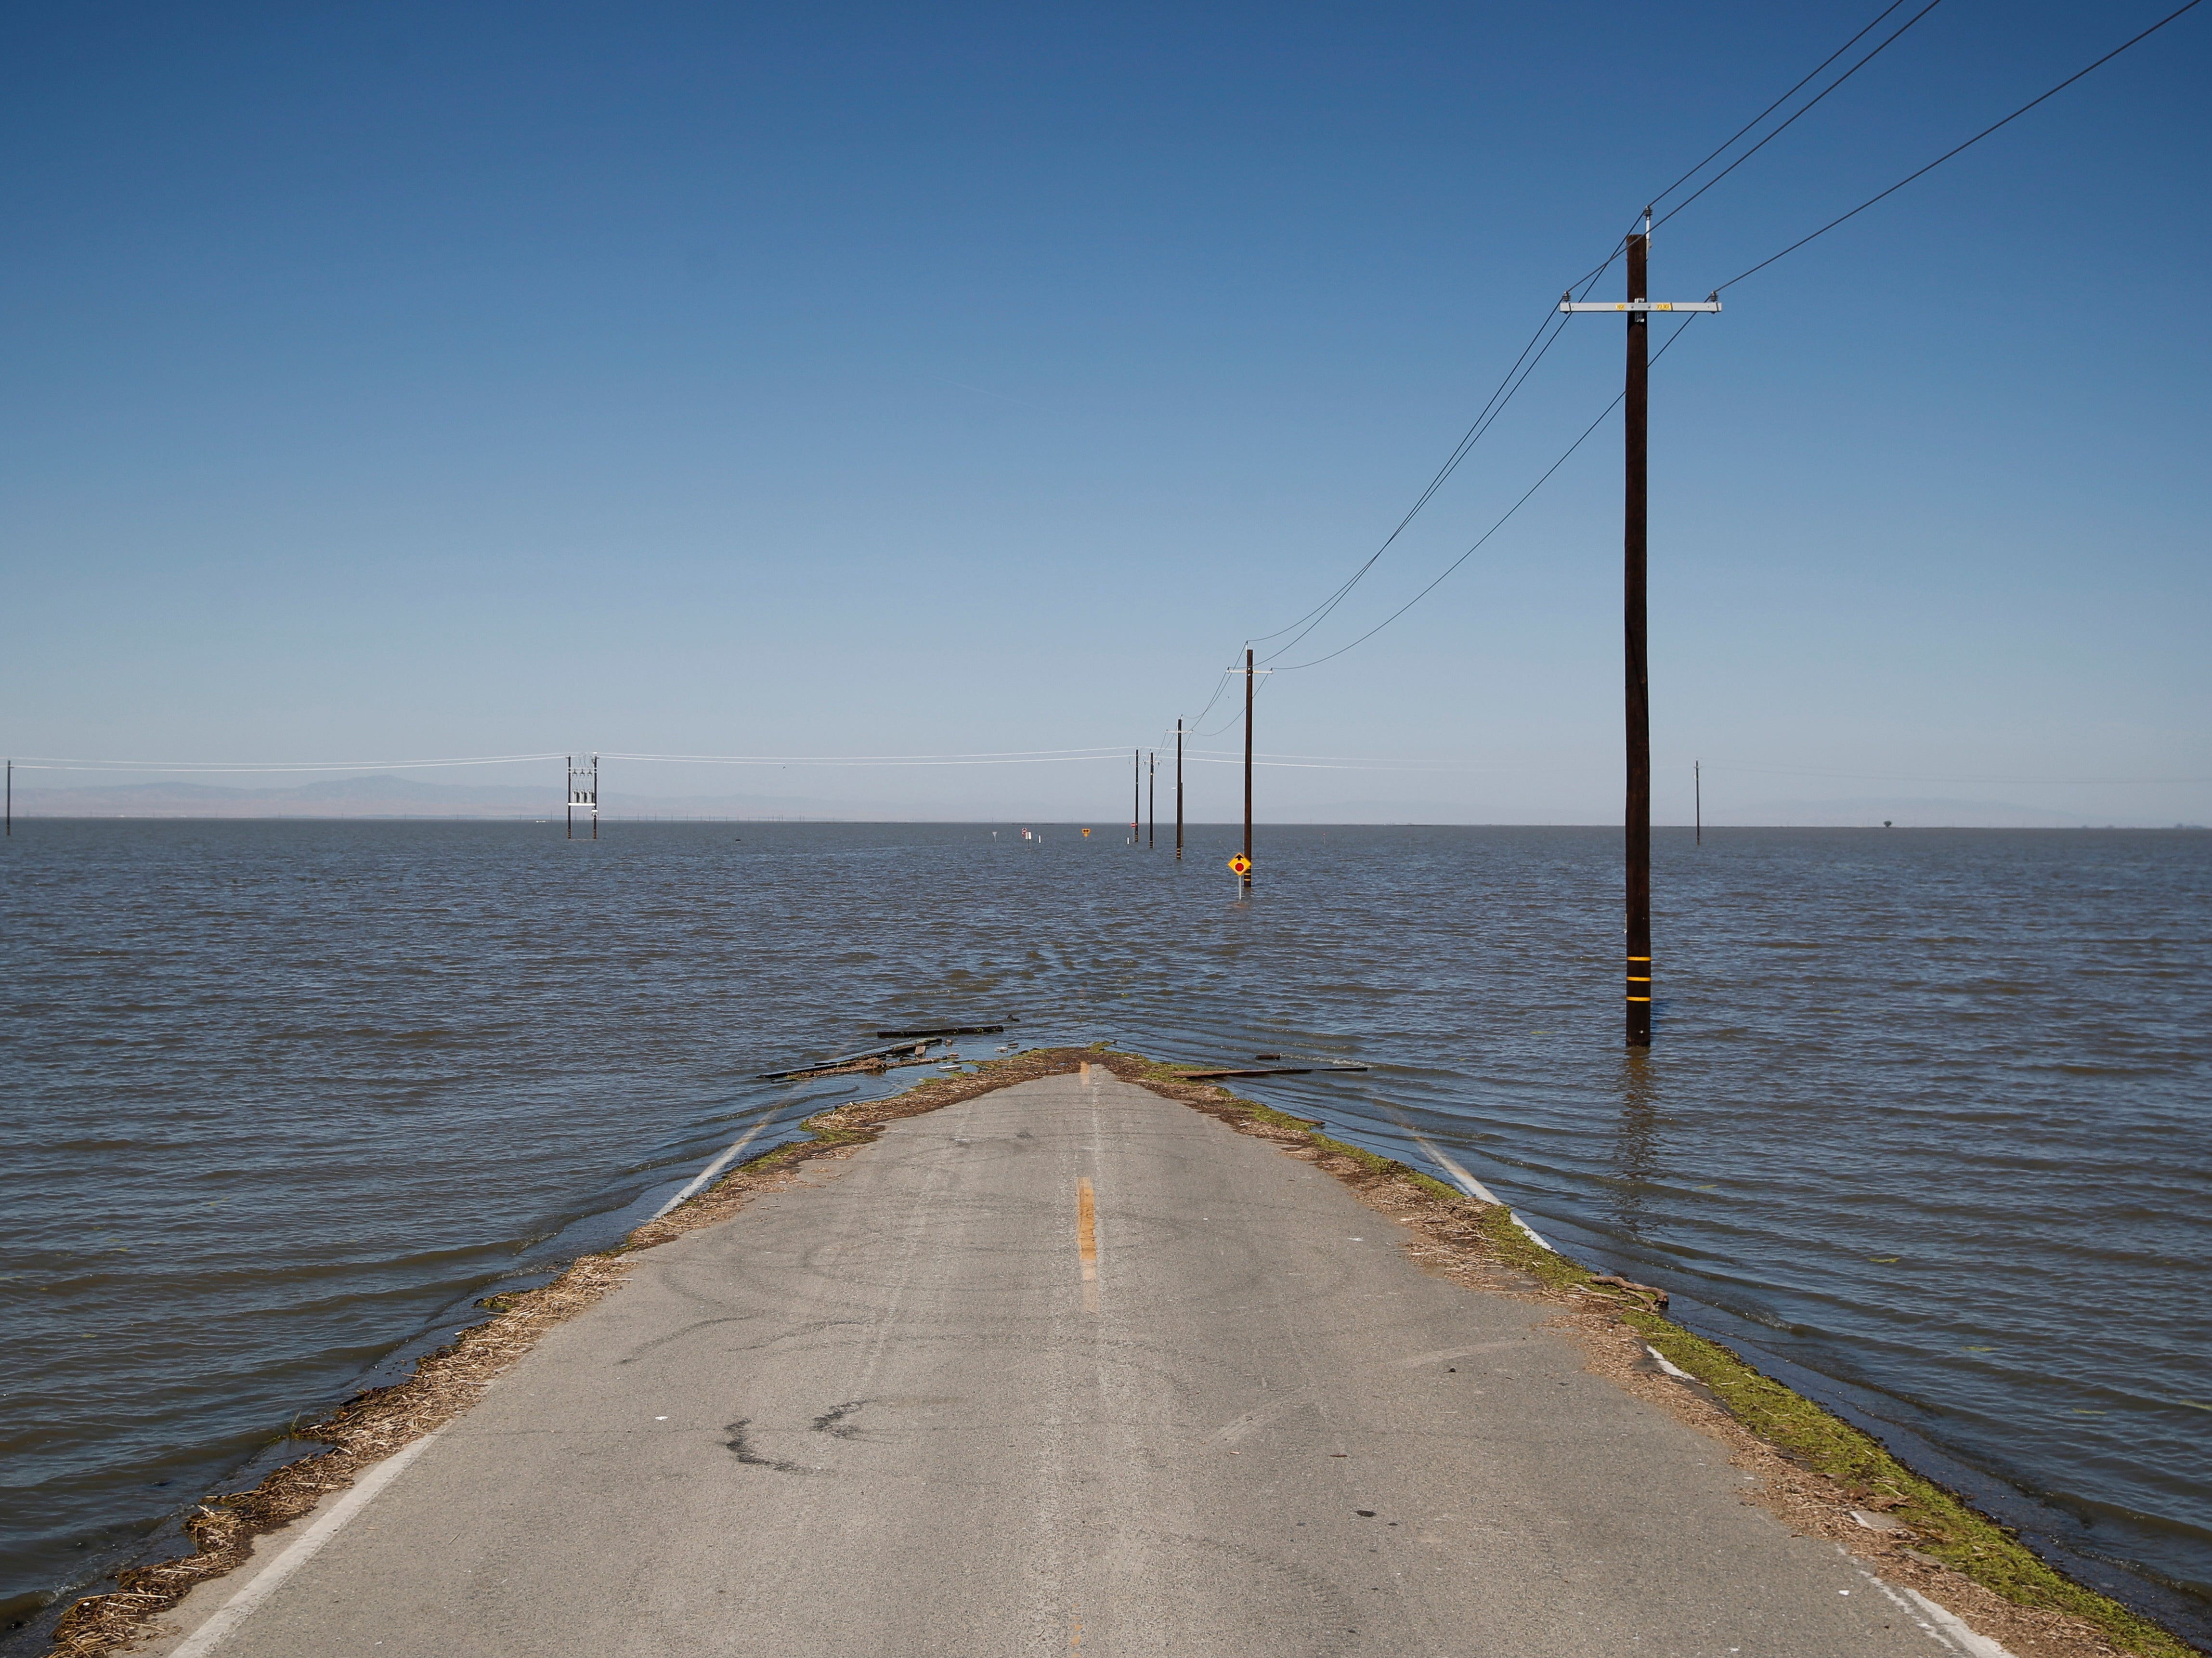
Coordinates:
<point>1067,1369</point>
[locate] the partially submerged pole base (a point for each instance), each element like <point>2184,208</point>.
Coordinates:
<point>1639,1001</point>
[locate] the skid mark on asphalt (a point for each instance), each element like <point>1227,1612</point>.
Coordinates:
<point>740,1444</point>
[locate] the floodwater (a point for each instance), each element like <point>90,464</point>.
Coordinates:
<point>1924,1130</point>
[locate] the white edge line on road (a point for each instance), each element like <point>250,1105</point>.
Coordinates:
<point>1942,1625</point>
<point>1980,1646</point>
<point>303,1549</point>
<point>713,1168</point>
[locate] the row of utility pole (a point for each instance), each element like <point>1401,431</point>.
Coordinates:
<point>1137,760</point>
<point>1636,310</point>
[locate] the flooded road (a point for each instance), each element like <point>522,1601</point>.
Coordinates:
<point>1923,1130</point>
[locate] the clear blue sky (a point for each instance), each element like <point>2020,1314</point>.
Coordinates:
<point>408,380</point>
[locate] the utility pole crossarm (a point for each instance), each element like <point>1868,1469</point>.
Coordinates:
<point>1712,304</point>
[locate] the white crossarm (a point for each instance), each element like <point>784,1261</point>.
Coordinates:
<point>1639,305</point>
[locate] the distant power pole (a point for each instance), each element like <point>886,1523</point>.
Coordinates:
<point>1136,792</point>
<point>1178,791</point>
<point>1639,307</point>
<point>11,800</point>
<point>1153,801</point>
<point>1697,792</point>
<point>584,791</point>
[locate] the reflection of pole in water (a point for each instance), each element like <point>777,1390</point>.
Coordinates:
<point>1636,1142</point>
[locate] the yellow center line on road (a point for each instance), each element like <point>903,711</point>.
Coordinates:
<point>1086,1242</point>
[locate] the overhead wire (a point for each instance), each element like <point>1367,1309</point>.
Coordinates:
<point>1915,777</point>
<point>1565,456</point>
<point>218,768</point>
<point>1548,331</point>
<point>1803,110</point>
<point>1492,408</point>
<point>1723,147</point>
<point>1000,757</point>
<point>1589,278</point>
<point>1957,149</point>
<point>1555,325</point>
<point>1842,218</point>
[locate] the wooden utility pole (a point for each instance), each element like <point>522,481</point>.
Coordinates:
<point>1638,423</point>
<point>1136,791</point>
<point>1246,878</point>
<point>1697,793</point>
<point>571,797</point>
<point>11,800</point>
<point>1153,801</point>
<point>1638,308</point>
<point>1178,791</point>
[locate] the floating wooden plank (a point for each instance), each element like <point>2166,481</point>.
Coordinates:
<point>949,1030</point>
<point>870,1067</point>
<point>873,1057</point>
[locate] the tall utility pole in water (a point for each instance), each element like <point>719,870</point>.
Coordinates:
<point>1178,791</point>
<point>1246,878</point>
<point>1136,791</point>
<point>1698,794</point>
<point>1638,308</point>
<point>1153,801</point>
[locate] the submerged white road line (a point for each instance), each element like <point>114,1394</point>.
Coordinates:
<point>713,1168</point>
<point>1472,1186</point>
<point>303,1549</point>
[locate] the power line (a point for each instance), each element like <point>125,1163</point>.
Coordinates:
<point>1501,523</point>
<point>220,769</point>
<point>1777,104</point>
<point>1763,263</point>
<point>1969,144</point>
<point>1003,758</point>
<point>1590,277</point>
<point>1911,777</point>
<point>1507,386</point>
<point>1807,107</point>
<point>1557,324</point>
<point>205,767</point>
<point>1305,624</point>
